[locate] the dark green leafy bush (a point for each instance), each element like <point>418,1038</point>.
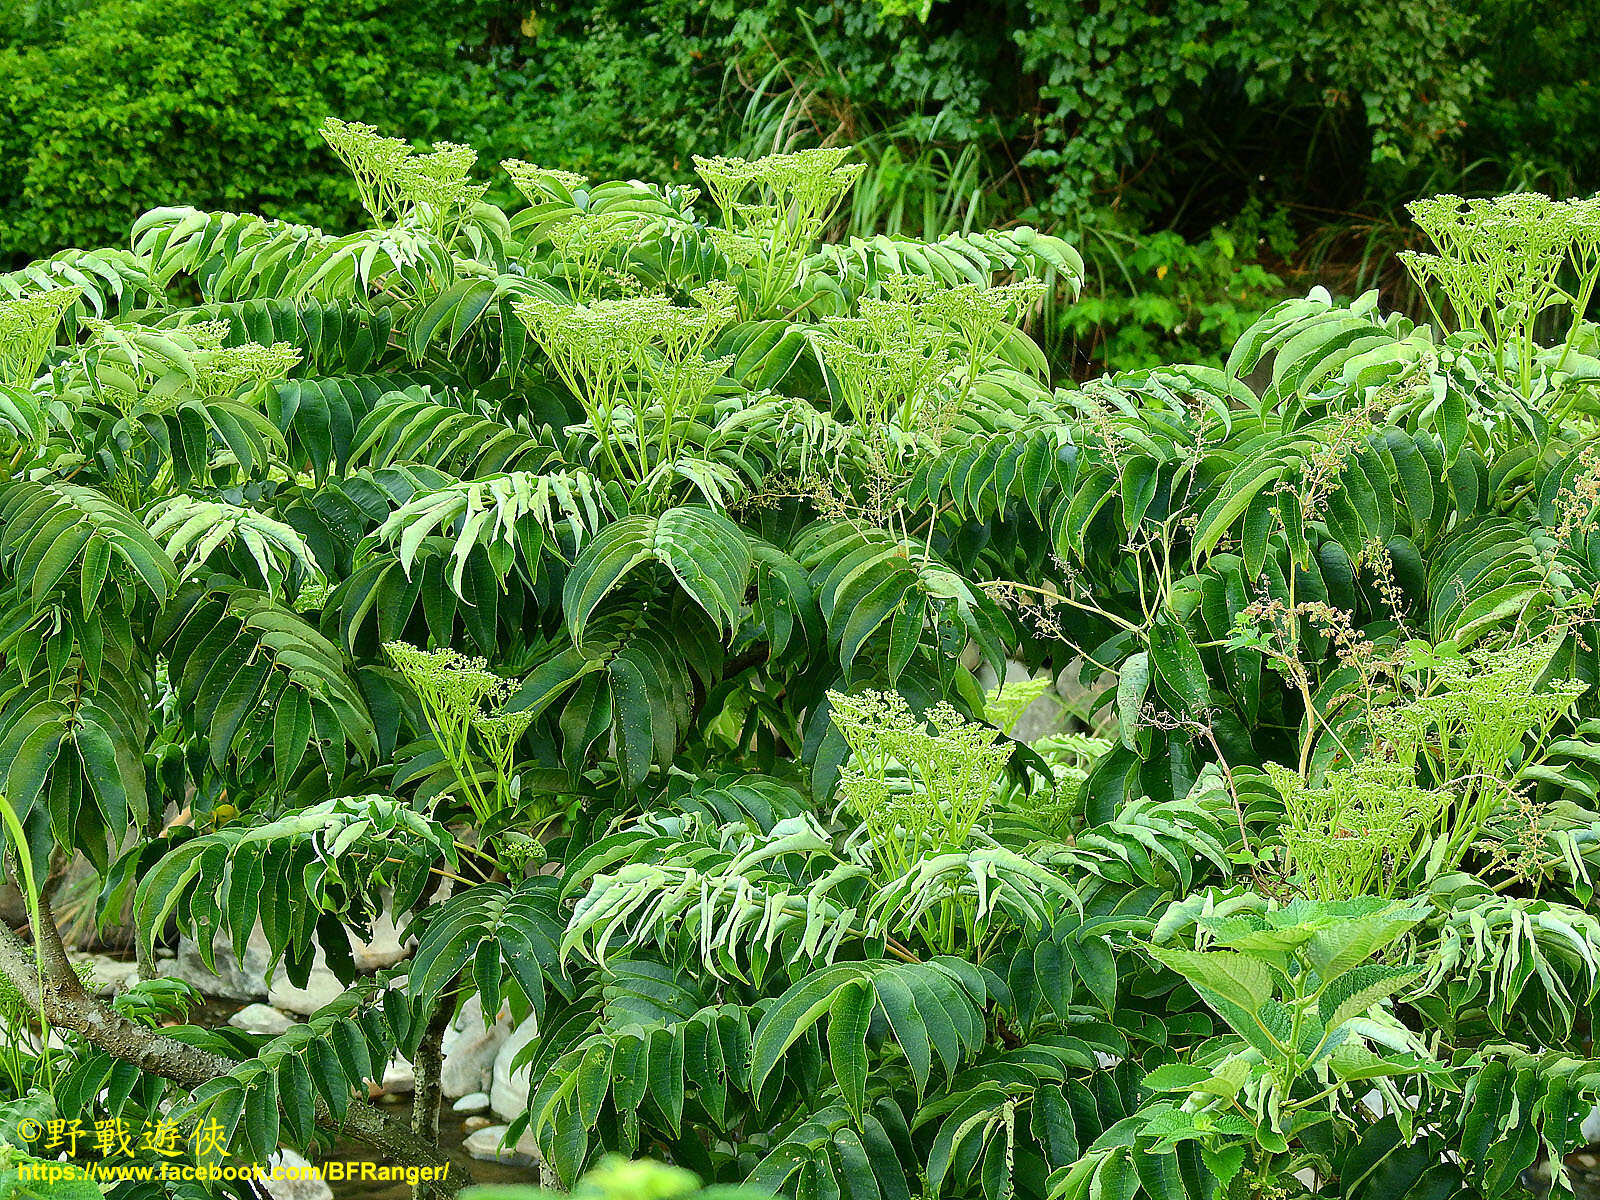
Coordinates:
<point>604,583</point>
<point>139,102</point>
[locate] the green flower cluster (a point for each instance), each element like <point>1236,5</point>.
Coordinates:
<point>451,684</point>
<point>891,364</point>
<point>639,367</point>
<point>28,330</point>
<point>1499,263</point>
<point>910,356</point>
<point>804,186</point>
<point>1357,834</point>
<point>139,368</point>
<point>586,245</point>
<point>228,370</point>
<point>1483,725</point>
<point>465,706</point>
<point>541,184</point>
<point>396,183</point>
<point>774,211</point>
<point>919,784</point>
<point>1439,770</point>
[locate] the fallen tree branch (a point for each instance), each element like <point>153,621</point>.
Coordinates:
<point>66,1004</point>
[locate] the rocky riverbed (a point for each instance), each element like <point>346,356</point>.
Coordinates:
<point>483,1093</point>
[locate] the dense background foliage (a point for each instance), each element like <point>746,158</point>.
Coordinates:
<point>1200,154</point>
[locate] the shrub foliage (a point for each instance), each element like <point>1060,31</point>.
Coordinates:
<point>606,584</point>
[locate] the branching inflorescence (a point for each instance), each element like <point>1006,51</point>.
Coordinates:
<point>396,183</point>
<point>638,366</point>
<point>920,785</point>
<point>464,704</point>
<point>27,331</point>
<point>1499,263</point>
<point>774,211</point>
